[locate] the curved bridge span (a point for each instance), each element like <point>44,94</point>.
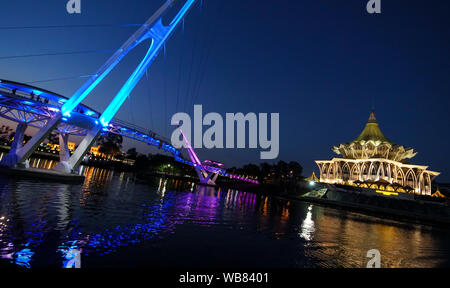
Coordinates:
<point>48,111</point>
<point>32,106</point>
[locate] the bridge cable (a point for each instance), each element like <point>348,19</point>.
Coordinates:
<point>149,101</point>
<point>193,54</point>
<point>179,79</point>
<point>69,26</point>
<point>192,74</point>
<point>59,79</point>
<point>203,64</point>
<point>58,54</point>
<point>196,77</point>
<point>165,100</point>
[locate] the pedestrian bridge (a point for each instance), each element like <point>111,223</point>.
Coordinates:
<point>32,106</point>
<point>48,111</point>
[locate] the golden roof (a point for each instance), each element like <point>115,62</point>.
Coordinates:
<point>313,177</point>
<point>438,194</point>
<point>372,132</point>
<point>372,143</point>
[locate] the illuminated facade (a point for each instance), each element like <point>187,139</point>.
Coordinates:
<point>372,161</point>
<point>96,151</point>
<point>70,145</point>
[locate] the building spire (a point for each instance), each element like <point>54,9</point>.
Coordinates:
<point>372,118</point>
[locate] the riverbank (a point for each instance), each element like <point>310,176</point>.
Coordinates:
<point>387,207</point>
<point>415,211</point>
<point>41,175</point>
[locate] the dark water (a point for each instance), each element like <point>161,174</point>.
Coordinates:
<point>115,221</point>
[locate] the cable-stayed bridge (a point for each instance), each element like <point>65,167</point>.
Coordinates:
<point>48,111</point>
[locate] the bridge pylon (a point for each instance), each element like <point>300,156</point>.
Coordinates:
<point>153,30</point>
<point>11,158</point>
<point>206,177</point>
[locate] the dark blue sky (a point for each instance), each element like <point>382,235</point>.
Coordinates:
<point>319,63</point>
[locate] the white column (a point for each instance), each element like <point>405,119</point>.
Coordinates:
<point>24,153</point>
<point>64,152</point>
<point>11,159</point>
<point>83,148</point>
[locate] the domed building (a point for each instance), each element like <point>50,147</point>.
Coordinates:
<point>373,161</point>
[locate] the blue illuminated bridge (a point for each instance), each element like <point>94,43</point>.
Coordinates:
<point>48,111</point>
<point>23,103</point>
<point>35,106</point>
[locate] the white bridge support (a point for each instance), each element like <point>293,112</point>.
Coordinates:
<point>154,30</point>
<point>75,160</point>
<point>10,160</point>
<point>64,152</point>
<point>206,177</point>
<point>24,153</point>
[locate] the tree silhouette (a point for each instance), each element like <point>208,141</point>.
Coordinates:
<point>132,153</point>
<point>53,138</point>
<point>110,144</point>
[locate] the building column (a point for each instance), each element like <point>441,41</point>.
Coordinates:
<point>421,184</point>
<point>429,184</point>
<point>11,159</point>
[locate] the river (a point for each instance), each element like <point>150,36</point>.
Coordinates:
<point>115,220</point>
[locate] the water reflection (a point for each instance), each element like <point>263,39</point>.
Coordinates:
<point>307,228</point>
<point>40,223</point>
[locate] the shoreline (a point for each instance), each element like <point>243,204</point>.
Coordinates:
<point>375,211</point>
<point>414,216</point>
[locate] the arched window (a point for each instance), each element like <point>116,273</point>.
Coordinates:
<point>345,172</point>
<point>387,171</point>
<point>365,169</point>
<point>355,172</point>
<point>324,171</point>
<point>330,172</point>
<point>374,170</point>
<point>399,178</point>
<point>410,179</point>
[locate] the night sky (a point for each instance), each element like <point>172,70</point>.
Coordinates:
<point>321,64</point>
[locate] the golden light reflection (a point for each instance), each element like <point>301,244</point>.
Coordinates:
<point>307,229</point>
<point>162,188</point>
<point>387,193</point>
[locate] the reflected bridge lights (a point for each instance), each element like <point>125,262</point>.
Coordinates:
<point>72,258</point>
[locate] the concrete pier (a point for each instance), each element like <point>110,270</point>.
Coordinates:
<point>12,158</point>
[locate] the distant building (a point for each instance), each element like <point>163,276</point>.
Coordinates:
<point>313,177</point>
<point>128,161</point>
<point>372,161</point>
<point>71,146</point>
<point>95,151</point>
